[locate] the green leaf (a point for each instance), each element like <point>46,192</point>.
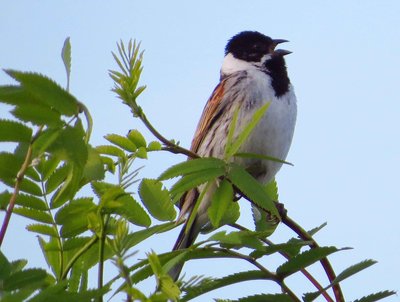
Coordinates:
<point>46,139</point>
<point>238,239</point>
<point>25,278</point>
<point>42,229</point>
<point>137,237</point>
<point>265,298</point>
<point>37,114</point>
<point>11,131</point>
<point>221,200</point>
<point>129,208</point>
<point>207,285</point>
<point>137,138</point>
<point>51,254</point>
<point>69,187</point>
<point>24,200</point>
<point>304,259</point>
<point>122,142</point>
<point>36,215</point>
<point>77,207</point>
<point>313,231</point>
<point>66,57</point>
<point>241,138</point>
<point>287,248</point>
<point>111,150</point>
<point>154,146</point>
<point>252,189</point>
<point>156,199</point>
<point>9,165</point>
<point>261,156</point>
<point>5,267</point>
<point>15,95</point>
<point>93,169</point>
<point>70,145</point>
<point>57,178</point>
<point>377,296</point>
<point>47,91</point>
<point>141,152</point>
<point>272,190</point>
<point>354,269</point>
<point>193,180</point>
<point>262,220</point>
<point>192,166</point>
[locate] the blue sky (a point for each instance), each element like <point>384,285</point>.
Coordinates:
<point>346,149</point>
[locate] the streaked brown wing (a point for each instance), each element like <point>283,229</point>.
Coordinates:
<point>207,118</point>
<point>206,121</point>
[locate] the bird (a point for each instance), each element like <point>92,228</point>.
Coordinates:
<point>253,73</point>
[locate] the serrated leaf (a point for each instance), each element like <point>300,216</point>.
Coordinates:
<point>77,207</point>
<point>111,150</point>
<point>266,298</point>
<point>43,229</point>
<point>282,247</point>
<point>25,278</point>
<point>156,199</point>
<point>137,237</point>
<point>192,166</point>
<point>220,201</point>
<point>11,131</point>
<point>137,138</point>
<point>251,188</point>
<point>121,141</point>
<point>15,95</point>
<point>207,285</point>
<point>130,209</point>
<point>9,165</point>
<point>237,239</point>
<point>262,221</point>
<point>18,265</point>
<point>37,114</point>
<point>70,145</point>
<point>51,253</point>
<point>376,297</point>
<point>57,178</point>
<point>69,187</point>
<point>304,259</point>
<point>5,267</point>
<point>313,231</point>
<point>39,216</point>
<point>193,180</point>
<point>45,139</point>
<point>47,91</point>
<point>354,269</point>
<point>24,200</point>
<point>93,169</point>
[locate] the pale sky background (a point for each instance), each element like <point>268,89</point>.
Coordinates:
<point>344,68</point>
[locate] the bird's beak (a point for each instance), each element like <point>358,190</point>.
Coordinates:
<point>280,52</point>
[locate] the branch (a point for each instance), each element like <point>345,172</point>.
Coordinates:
<point>19,178</point>
<point>304,271</point>
<point>303,234</point>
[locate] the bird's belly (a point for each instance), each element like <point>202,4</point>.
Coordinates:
<point>271,137</point>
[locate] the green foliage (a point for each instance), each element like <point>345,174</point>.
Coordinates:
<point>80,202</point>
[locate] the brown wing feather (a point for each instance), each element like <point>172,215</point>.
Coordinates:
<point>207,116</point>
<point>189,198</point>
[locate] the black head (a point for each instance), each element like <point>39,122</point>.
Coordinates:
<point>251,46</point>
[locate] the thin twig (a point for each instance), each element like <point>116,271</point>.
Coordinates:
<point>324,262</point>
<point>269,275</point>
<point>286,255</point>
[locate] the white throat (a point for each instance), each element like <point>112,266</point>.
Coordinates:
<point>231,64</point>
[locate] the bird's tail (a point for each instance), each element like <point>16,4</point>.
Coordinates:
<point>185,239</point>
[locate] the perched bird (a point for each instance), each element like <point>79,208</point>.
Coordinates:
<point>253,73</point>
